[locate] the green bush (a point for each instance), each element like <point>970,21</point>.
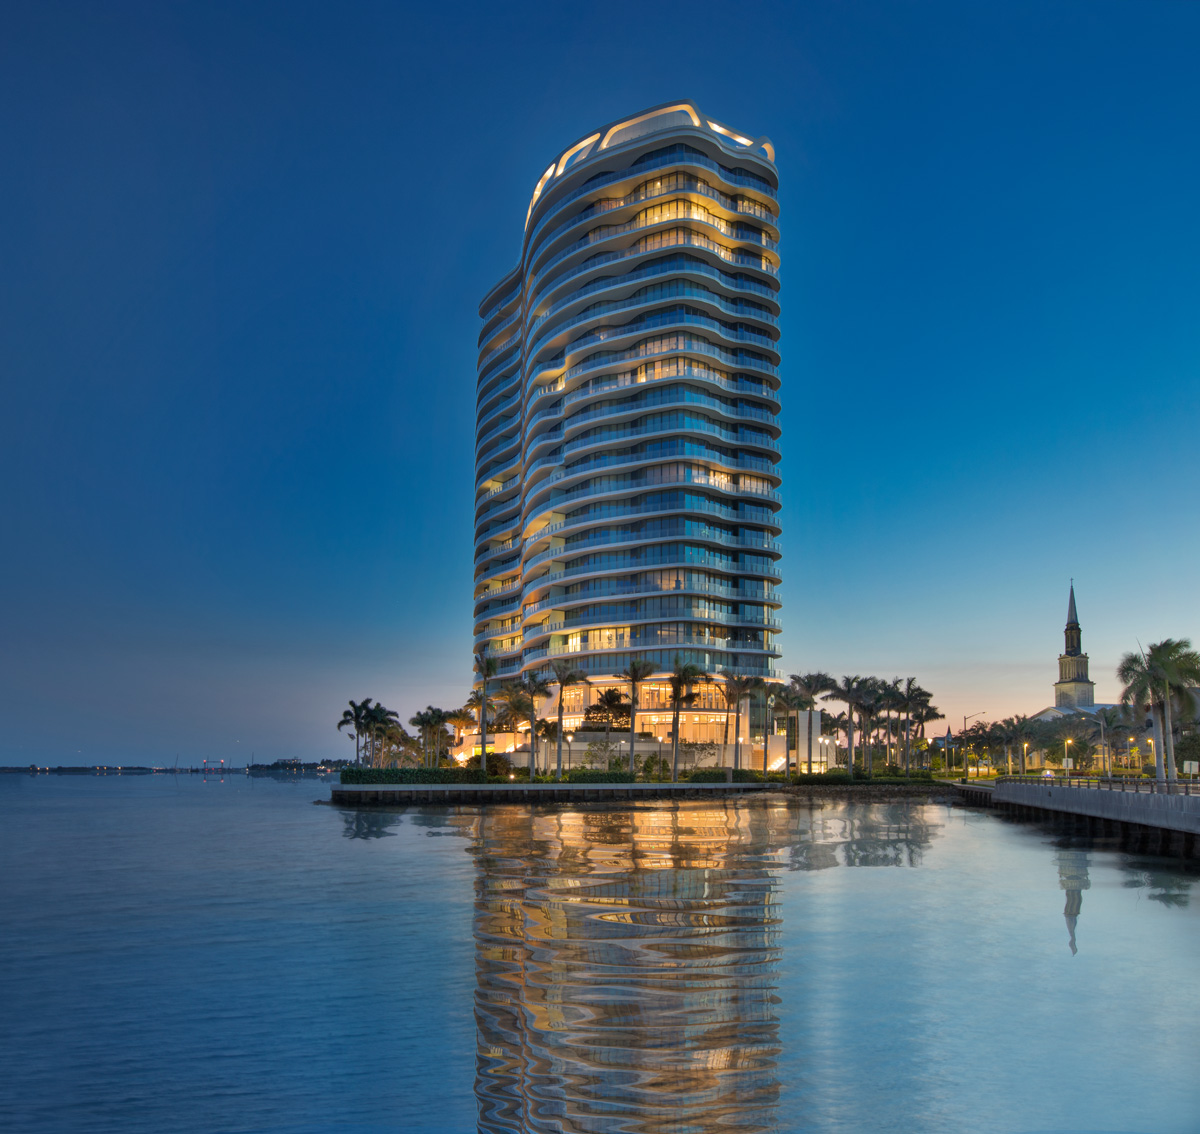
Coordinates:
<point>717,776</point>
<point>413,776</point>
<point>822,778</point>
<point>837,778</point>
<point>497,764</point>
<point>597,776</point>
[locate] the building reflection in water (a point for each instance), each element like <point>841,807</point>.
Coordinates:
<point>1073,878</point>
<point>626,959</point>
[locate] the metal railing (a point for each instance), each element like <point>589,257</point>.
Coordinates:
<point>1105,783</point>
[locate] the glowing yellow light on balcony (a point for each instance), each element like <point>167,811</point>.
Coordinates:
<point>729,133</point>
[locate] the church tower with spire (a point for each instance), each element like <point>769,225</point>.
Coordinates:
<point>1073,690</point>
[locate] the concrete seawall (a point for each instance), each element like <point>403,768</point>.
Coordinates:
<point>394,795</point>
<point>1168,812</point>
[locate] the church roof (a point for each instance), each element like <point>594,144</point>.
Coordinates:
<point>1072,617</point>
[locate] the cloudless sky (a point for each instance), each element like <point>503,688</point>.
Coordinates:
<point>242,247</point>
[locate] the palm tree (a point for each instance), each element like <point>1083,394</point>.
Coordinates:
<point>635,673</point>
<point>437,723</point>
<point>1152,678</point>
<point>870,706</point>
<point>770,694</point>
<point>610,702</point>
<point>808,687</point>
<point>522,698</point>
<point>420,721</point>
<point>851,692</point>
<point>564,674</point>
<point>790,701</point>
<point>682,678</point>
<point>1143,682</point>
<point>486,667</point>
<point>1180,665</point>
<point>460,720</point>
<point>1110,722</point>
<point>355,718</point>
<point>737,689</point>
<point>911,697</point>
<point>379,720</point>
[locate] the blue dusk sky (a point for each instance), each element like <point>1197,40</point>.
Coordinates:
<point>241,254</point>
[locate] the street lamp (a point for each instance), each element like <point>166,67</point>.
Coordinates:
<point>966,766</point>
<point>1024,757</point>
<point>570,736</point>
<point>1067,756</point>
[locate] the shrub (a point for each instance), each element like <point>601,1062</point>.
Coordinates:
<point>413,776</point>
<point>708,776</point>
<point>497,764</point>
<point>597,776</point>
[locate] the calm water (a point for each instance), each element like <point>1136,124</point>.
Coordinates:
<point>179,955</point>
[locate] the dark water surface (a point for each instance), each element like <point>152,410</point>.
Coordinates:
<point>181,955</point>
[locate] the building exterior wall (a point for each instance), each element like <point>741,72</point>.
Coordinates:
<point>627,437</point>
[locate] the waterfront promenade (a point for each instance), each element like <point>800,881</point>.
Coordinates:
<point>1173,810</point>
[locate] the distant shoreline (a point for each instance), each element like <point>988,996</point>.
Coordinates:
<point>270,771</point>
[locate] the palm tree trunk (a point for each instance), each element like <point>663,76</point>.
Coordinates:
<point>1159,760</point>
<point>483,728</point>
<point>532,747</point>
<point>725,739</point>
<point>850,740</point>
<point>1169,739</point>
<point>558,766</point>
<point>675,745</point>
<point>808,730</point>
<point>737,738</point>
<point>632,721</point>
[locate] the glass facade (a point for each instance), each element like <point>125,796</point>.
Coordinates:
<point>627,438</point>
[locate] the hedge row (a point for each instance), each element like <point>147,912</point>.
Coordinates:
<point>414,776</point>
<point>596,776</point>
<point>717,776</point>
<point>860,778</point>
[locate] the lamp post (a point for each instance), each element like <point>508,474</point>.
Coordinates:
<point>1067,756</point>
<point>1129,755</point>
<point>569,737</point>
<point>1024,757</point>
<point>966,767</point>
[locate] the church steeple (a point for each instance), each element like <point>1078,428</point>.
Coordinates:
<point>1073,690</point>
<point>1073,634</point>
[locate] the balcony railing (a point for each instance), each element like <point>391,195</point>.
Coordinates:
<point>565,551</point>
<point>648,271</point>
<point>668,162</point>
<point>608,515</point>
<point>699,294</point>
<point>688,425</point>
<point>627,564</point>
<point>567,625</point>
<point>743,208</point>
<point>600,594</point>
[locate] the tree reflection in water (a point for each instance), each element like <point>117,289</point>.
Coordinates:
<point>369,824</point>
<point>626,958</point>
<point>1166,886</point>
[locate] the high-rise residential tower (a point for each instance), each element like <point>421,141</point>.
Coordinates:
<point>627,437</point>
